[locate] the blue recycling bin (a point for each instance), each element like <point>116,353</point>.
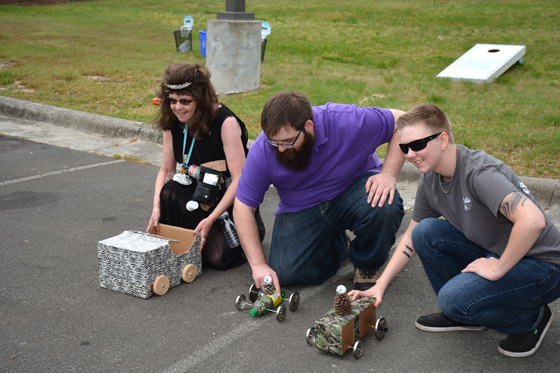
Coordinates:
<point>203,43</point>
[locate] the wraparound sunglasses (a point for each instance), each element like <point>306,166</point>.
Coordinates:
<point>418,145</point>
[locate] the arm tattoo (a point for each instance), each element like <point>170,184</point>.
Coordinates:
<point>408,248</point>
<point>509,207</point>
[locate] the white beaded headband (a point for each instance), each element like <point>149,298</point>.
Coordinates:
<point>177,86</point>
<point>180,86</point>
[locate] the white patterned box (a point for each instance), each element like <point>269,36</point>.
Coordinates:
<point>141,264</point>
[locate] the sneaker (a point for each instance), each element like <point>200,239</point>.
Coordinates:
<point>438,322</point>
<point>526,343</point>
<point>365,278</point>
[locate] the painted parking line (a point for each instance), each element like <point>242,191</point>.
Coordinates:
<point>190,362</point>
<point>60,172</point>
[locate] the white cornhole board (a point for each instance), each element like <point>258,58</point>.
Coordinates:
<point>483,63</point>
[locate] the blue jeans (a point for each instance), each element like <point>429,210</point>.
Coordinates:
<point>308,246</point>
<point>511,305</point>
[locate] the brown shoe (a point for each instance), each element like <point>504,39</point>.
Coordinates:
<point>365,278</point>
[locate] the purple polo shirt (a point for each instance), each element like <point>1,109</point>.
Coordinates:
<point>346,137</point>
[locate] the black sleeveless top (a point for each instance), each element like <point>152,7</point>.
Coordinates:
<point>210,147</point>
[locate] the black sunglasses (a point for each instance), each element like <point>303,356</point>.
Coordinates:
<point>418,145</point>
<point>182,101</point>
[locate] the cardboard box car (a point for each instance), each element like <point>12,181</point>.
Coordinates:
<point>141,264</point>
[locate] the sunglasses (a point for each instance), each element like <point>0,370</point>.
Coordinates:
<point>418,145</point>
<point>183,101</point>
<point>284,145</point>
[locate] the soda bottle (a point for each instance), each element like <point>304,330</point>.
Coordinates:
<point>194,171</point>
<point>264,303</point>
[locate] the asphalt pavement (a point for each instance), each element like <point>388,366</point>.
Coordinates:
<point>70,179</point>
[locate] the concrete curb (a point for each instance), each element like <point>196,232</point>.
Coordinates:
<point>79,121</point>
<point>546,191</point>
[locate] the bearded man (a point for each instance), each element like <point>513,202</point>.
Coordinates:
<point>323,164</point>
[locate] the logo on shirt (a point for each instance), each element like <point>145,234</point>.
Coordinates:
<point>524,188</point>
<point>466,201</point>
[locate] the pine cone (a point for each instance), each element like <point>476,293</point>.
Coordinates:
<point>342,304</point>
<point>268,289</point>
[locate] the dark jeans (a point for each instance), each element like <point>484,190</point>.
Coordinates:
<point>510,305</point>
<point>308,246</point>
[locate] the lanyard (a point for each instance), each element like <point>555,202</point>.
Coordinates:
<point>185,144</point>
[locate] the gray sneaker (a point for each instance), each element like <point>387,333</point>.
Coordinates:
<point>438,322</point>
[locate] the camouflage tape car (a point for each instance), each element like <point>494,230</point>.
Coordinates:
<point>337,334</point>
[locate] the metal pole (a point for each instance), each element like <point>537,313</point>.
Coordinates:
<point>235,11</point>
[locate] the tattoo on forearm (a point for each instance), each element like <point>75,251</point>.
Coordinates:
<point>408,248</point>
<point>509,207</point>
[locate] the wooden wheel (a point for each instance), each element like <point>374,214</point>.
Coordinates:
<point>161,285</point>
<point>189,273</point>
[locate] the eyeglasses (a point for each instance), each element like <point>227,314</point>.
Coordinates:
<point>284,145</point>
<point>418,145</point>
<point>182,101</point>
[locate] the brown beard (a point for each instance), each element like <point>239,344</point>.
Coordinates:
<point>297,159</point>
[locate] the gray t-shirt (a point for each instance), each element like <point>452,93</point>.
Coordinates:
<point>472,202</point>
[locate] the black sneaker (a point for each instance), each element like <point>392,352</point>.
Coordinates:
<point>438,322</point>
<point>526,343</point>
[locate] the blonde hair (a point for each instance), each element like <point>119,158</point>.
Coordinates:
<point>431,115</point>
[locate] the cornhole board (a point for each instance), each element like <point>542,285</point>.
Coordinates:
<point>483,63</point>
<point>142,264</point>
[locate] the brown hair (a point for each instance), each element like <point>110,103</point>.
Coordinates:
<point>431,115</point>
<point>200,89</point>
<point>285,109</point>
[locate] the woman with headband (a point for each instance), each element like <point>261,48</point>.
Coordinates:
<point>198,131</point>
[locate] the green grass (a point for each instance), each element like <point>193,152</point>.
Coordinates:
<point>105,57</point>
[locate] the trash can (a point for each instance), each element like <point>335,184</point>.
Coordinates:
<point>183,40</point>
<point>263,47</point>
<point>203,43</point>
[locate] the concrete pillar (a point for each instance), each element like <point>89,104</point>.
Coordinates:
<point>233,54</point>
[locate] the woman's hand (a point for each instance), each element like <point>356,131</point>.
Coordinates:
<point>374,292</point>
<point>204,229</point>
<point>154,220</point>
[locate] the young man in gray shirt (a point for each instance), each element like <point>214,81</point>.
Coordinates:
<point>493,260</point>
